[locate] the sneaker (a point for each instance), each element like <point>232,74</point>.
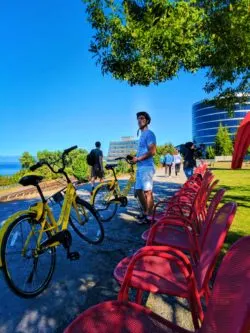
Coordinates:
<point>143,220</point>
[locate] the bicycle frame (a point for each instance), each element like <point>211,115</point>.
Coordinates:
<point>114,185</point>
<point>44,216</point>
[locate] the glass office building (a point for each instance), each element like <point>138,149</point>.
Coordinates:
<point>122,148</point>
<point>206,120</point>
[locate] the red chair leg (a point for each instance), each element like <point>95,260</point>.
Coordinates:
<point>138,298</point>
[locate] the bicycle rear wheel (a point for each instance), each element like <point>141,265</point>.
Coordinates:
<point>86,222</point>
<point>102,202</point>
<point>26,274</point>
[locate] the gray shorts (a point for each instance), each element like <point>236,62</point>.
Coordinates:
<point>144,178</point>
<point>97,172</point>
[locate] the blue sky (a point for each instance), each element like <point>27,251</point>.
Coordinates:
<point>52,95</point>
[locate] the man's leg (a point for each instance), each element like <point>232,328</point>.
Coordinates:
<point>177,168</point>
<point>169,169</point>
<point>144,186</point>
<point>142,199</point>
<point>92,178</point>
<point>150,202</point>
<point>93,182</point>
<point>188,172</point>
<point>166,169</point>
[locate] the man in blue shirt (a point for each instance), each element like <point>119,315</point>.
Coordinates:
<point>145,166</point>
<point>169,159</point>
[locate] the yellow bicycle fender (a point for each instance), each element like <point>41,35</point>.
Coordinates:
<point>111,183</point>
<point>35,210</point>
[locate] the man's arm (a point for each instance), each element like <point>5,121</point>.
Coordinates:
<point>101,160</point>
<point>151,152</point>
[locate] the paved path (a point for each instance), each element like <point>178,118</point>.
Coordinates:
<point>77,285</point>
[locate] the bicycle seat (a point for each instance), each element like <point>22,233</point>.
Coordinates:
<point>30,180</point>
<point>111,166</point>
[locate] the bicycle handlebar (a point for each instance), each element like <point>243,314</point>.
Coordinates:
<point>68,150</point>
<point>36,166</point>
<point>40,163</point>
<point>128,159</point>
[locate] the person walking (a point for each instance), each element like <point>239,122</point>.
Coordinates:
<point>162,161</point>
<point>189,159</point>
<point>145,166</point>
<point>97,170</point>
<point>177,162</point>
<point>169,159</point>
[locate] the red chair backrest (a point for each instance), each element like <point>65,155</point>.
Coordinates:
<point>229,306</point>
<point>214,241</point>
<point>211,212</point>
<point>199,204</point>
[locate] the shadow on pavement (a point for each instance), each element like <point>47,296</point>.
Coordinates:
<point>77,285</point>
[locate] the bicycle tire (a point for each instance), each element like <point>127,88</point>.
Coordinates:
<point>109,214</point>
<point>5,267</point>
<point>74,222</point>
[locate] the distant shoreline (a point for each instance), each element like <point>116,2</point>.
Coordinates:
<point>9,168</point>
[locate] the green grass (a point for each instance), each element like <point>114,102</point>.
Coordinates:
<point>237,185</point>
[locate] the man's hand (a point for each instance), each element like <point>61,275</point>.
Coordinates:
<point>135,160</point>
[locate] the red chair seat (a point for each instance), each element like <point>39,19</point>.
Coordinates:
<point>165,232</point>
<point>170,236</point>
<point>121,317</point>
<point>154,274</point>
<point>156,216</point>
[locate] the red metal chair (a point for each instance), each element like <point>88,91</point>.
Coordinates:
<point>146,272</point>
<point>185,196</point>
<point>228,310</point>
<point>191,211</point>
<point>185,237</point>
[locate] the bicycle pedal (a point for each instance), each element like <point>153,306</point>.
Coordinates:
<point>73,256</point>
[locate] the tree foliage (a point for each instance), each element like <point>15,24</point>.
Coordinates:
<point>210,153</point>
<point>26,160</point>
<point>163,150</point>
<point>76,166</point>
<point>223,143</point>
<point>151,41</point>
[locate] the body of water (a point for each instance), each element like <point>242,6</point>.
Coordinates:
<point>9,168</point>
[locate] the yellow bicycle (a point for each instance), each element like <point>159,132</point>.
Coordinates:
<point>107,196</point>
<point>29,238</point>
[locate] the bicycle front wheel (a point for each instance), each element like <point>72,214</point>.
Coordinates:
<point>86,222</point>
<point>103,202</point>
<point>26,272</point>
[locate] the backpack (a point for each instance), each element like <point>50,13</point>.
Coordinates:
<point>91,158</point>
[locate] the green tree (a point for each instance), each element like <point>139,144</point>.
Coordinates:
<point>80,167</point>
<point>163,150</point>
<point>123,167</point>
<point>151,41</point>
<point>76,164</point>
<point>223,143</point>
<point>210,153</point>
<point>26,160</point>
